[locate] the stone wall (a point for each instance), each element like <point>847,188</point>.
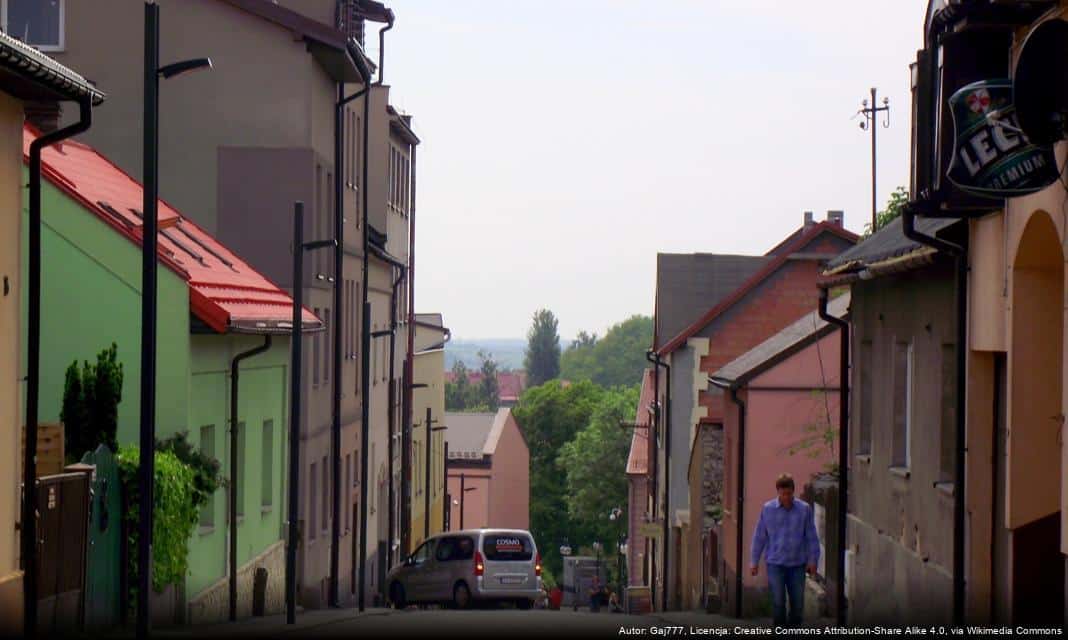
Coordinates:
<point>213,603</point>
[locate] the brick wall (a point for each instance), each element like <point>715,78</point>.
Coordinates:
<point>638,495</point>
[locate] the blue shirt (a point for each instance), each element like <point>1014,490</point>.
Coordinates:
<point>788,535</point>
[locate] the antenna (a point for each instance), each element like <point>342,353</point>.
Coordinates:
<point>1040,83</point>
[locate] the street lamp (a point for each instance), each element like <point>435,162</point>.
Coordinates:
<point>295,383</point>
<point>150,229</point>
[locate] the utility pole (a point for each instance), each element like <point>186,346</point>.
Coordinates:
<point>870,113</point>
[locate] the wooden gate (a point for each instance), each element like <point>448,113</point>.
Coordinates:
<point>103,585</point>
<point>63,517</point>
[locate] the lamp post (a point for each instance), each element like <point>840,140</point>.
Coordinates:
<point>296,355</point>
<point>867,124</point>
<point>463,492</point>
<point>150,228</point>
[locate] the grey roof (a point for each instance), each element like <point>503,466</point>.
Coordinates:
<point>689,284</point>
<point>798,335</point>
<point>468,432</point>
<point>29,74</point>
<point>888,242</point>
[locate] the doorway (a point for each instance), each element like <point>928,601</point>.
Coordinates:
<point>1035,567</point>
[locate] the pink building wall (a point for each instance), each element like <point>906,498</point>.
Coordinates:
<point>775,422</point>
<point>509,490</point>
<point>476,503</point>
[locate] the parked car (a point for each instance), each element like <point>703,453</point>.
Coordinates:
<point>462,567</point>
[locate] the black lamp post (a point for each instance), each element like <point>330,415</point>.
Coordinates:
<point>296,355</point>
<point>146,467</point>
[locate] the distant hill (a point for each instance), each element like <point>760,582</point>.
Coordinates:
<point>507,352</point>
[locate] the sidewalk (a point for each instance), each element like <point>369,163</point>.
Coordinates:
<point>700,619</point>
<point>273,625</point>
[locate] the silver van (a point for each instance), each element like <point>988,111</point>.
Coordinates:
<point>460,567</point>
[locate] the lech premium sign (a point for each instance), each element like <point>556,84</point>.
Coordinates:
<point>992,157</point>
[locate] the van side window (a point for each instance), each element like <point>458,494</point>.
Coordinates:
<point>465,548</point>
<point>422,553</point>
<point>446,550</point>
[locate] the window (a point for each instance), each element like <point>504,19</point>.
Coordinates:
<point>355,468</point>
<point>317,217</point>
<point>207,447</point>
<point>420,555</point>
<point>267,465</point>
<point>36,22</point>
<point>325,493</point>
<point>508,546</point>
<point>903,372</point>
<point>238,475</point>
<point>315,352</point>
<point>949,414</point>
<point>328,352</point>
<point>313,490</point>
<point>865,414</point>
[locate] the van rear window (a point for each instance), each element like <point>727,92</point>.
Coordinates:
<point>508,547</point>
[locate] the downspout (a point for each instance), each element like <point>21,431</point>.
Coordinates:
<point>729,385</point>
<point>667,481</point>
<point>33,364</point>
<point>654,358</point>
<point>339,260</point>
<point>960,253</point>
<point>234,471</point>
<point>382,48</point>
<point>409,366</point>
<point>843,452</point>
<point>392,411</point>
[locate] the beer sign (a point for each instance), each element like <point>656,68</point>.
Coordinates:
<point>992,156</point>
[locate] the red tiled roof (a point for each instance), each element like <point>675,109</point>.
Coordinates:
<point>799,243</point>
<point>224,291</point>
<point>510,384</point>
<point>638,460</point>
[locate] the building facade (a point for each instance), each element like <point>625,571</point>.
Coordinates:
<point>428,406</point>
<point>488,471</point>
<point>20,87</point>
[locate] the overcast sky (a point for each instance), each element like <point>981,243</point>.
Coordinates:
<point>565,143</point>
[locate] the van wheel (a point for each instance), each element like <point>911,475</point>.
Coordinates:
<point>461,596</point>
<point>523,604</point>
<point>396,596</point>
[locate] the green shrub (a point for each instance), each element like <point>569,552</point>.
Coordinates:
<point>175,517</point>
<point>205,468</point>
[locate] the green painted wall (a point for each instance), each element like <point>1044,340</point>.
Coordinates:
<point>91,297</point>
<point>262,397</point>
<point>91,282</point>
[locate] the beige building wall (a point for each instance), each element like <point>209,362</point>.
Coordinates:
<point>10,367</point>
<point>429,369</point>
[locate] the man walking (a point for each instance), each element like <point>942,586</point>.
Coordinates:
<point>787,531</point>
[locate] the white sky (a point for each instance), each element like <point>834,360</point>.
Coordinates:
<point>565,143</point>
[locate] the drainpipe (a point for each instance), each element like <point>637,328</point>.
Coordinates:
<point>33,364</point>
<point>729,385</point>
<point>651,356</point>
<point>392,410</point>
<point>234,471</point>
<point>843,451</point>
<point>960,253</point>
<point>365,365</point>
<point>339,260</point>
<point>382,48</point>
<point>667,477</point>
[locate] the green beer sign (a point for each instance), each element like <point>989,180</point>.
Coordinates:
<point>992,156</point>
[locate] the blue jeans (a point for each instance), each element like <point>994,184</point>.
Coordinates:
<point>783,581</point>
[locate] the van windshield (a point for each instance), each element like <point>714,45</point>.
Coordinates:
<point>508,546</point>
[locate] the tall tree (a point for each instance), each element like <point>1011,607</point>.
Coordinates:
<point>617,359</point>
<point>488,388</point>
<point>457,391</point>
<point>542,360</point>
<point>550,415</point>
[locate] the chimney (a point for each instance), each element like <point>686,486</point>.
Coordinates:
<point>808,219</point>
<point>44,116</point>
<point>836,217</point>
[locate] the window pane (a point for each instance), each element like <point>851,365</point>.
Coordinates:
<point>328,352</point>
<point>325,494</point>
<point>313,492</point>
<point>315,352</point>
<point>207,447</point>
<point>34,21</point>
<point>267,465</point>
<point>902,352</point>
<point>864,426</point>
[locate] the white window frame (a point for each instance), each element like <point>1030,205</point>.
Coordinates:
<point>41,47</point>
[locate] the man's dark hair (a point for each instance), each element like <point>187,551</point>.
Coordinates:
<point>784,481</point>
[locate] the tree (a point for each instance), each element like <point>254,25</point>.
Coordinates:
<point>488,388</point>
<point>898,199</point>
<point>550,416</point>
<point>542,360</point>
<point>91,397</point>
<point>595,463</point>
<point>457,391</point>
<point>617,359</point>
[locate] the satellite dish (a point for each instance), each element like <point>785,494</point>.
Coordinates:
<point>1040,84</point>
